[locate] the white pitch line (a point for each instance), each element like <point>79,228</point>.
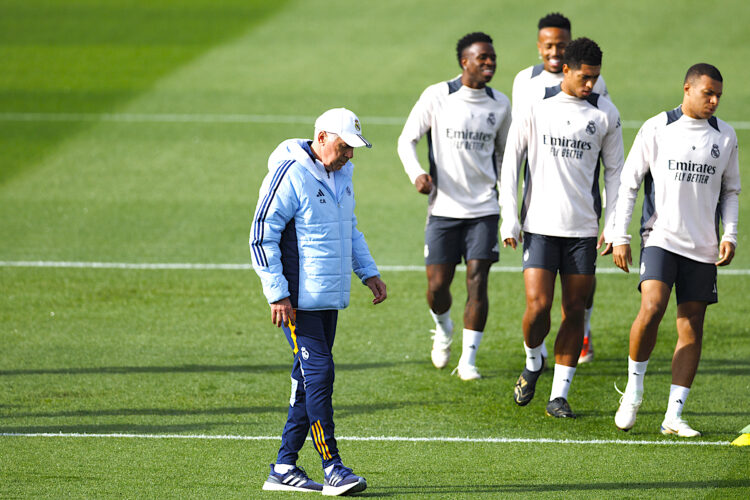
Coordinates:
<point>187,266</point>
<point>228,118</point>
<point>398,439</point>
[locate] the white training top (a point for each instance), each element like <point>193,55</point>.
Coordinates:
<point>467,129</point>
<point>564,138</point>
<point>530,83</point>
<point>692,176</point>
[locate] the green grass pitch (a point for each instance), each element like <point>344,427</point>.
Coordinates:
<point>138,132</point>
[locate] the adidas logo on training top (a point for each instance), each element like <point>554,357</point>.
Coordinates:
<point>320,193</point>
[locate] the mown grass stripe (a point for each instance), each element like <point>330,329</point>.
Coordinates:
<point>240,267</point>
<point>228,118</point>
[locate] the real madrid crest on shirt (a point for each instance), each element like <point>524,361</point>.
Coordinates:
<point>491,119</point>
<point>715,151</point>
<point>591,128</point>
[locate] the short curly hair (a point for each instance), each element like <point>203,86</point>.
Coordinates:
<point>554,20</point>
<point>469,40</point>
<point>582,51</point>
<point>700,69</point>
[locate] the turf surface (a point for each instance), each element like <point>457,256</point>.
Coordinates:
<point>138,132</point>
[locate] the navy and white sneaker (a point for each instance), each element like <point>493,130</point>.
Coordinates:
<point>342,481</point>
<point>294,480</point>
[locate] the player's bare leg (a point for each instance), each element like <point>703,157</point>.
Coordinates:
<point>540,290</point>
<point>439,279</point>
<point>587,350</point>
<point>576,289</point>
<point>477,300</point>
<point>643,333</point>
<point>687,355</point>
<point>475,316</point>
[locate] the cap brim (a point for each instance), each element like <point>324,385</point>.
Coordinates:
<point>355,140</point>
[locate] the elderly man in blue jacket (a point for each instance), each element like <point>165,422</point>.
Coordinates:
<point>305,245</point>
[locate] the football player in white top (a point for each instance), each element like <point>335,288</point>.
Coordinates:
<point>466,123</point>
<point>529,86</point>
<point>564,136</point>
<point>687,160</point>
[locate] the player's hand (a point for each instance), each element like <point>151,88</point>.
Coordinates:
<point>600,241</point>
<point>378,289</point>
<point>607,250</point>
<point>510,242</point>
<point>621,257</point>
<point>726,253</point>
<point>423,183</point>
<point>282,312</point>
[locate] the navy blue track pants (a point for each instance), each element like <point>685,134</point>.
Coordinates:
<point>310,405</point>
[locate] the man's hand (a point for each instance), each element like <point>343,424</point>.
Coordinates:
<point>423,183</point>
<point>600,241</point>
<point>378,289</point>
<point>510,242</point>
<point>726,253</point>
<point>282,312</point>
<point>621,256</point>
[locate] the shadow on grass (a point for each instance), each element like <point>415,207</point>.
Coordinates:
<point>114,428</point>
<point>182,412</point>
<point>736,484</point>
<point>125,370</point>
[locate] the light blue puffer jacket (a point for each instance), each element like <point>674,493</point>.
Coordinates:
<point>304,239</point>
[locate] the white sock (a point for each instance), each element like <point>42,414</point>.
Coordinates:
<point>636,373</point>
<point>587,321</point>
<point>282,468</point>
<point>544,350</point>
<point>677,397</point>
<point>471,341</point>
<point>533,357</point>
<point>443,323</point>
<point>561,381</point>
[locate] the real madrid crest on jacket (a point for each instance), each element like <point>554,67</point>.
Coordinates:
<point>681,211</point>
<point>315,229</point>
<point>564,136</point>
<point>467,133</point>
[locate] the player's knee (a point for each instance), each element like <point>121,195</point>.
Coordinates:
<point>652,310</point>
<point>538,306</point>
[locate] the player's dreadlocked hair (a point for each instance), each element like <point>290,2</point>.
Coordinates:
<point>700,69</point>
<point>554,20</point>
<point>582,51</point>
<point>468,40</point>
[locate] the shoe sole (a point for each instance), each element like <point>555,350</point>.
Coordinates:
<point>438,365</point>
<point>349,489</point>
<point>588,358</point>
<point>667,432</point>
<point>284,487</point>
<point>571,415</point>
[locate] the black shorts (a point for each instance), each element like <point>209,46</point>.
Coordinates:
<point>556,253</point>
<point>446,240</point>
<point>693,280</point>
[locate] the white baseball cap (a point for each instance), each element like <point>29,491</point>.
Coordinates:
<point>345,124</point>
